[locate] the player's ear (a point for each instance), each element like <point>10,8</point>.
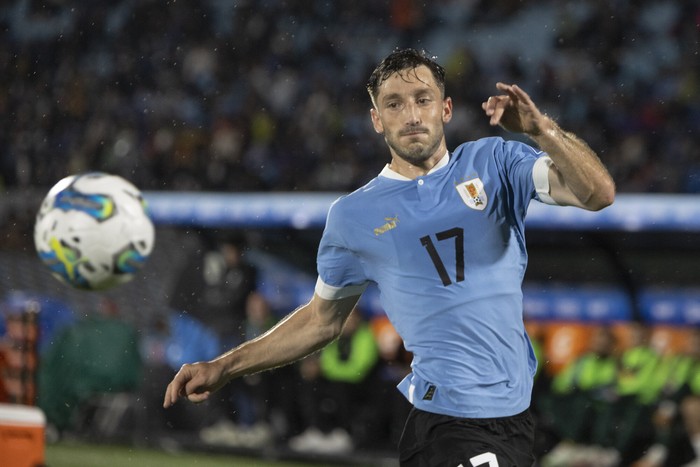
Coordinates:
<point>446,109</point>
<point>376,121</point>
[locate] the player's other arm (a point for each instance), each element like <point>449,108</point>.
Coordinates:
<point>577,177</point>
<point>307,329</point>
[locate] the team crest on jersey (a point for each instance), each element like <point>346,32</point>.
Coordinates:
<point>473,194</point>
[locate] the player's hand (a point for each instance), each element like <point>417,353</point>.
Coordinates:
<point>195,381</point>
<point>514,111</point>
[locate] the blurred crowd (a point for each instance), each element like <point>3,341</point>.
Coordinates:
<point>606,394</point>
<point>630,396</point>
<point>246,95</point>
<point>98,376</point>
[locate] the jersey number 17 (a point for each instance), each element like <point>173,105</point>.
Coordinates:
<point>458,234</point>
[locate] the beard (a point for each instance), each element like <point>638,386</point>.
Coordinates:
<point>415,152</point>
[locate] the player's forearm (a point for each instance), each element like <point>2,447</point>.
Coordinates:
<point>582,170</point>
<point>294,337</point>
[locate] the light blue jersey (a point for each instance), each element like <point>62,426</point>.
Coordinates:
<point>447,252</point>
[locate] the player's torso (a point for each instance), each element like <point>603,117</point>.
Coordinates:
<point>452,230</point>
<point>447,252</point>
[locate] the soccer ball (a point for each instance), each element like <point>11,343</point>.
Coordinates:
<point>93,231</point>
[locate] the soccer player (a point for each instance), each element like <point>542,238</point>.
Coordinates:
<point>441,234</point>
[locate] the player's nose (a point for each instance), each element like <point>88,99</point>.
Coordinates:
<point>412,115</point>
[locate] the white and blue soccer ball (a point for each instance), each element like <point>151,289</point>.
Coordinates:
<point>93,231</point>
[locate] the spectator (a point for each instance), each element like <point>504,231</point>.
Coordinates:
<point>676,419</point>
<point>96,355</point>
<point>214,288</point>
<point>334,389</point>
<point>255,399</point>
<point>585,391</point>
<point>637,392</point>
<point>387,408</point>
<point>171,339</point>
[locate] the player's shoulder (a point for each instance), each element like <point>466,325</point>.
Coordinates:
<point>477,152</point>
<point>486,145</point>
<point>493,147</point>
<point>356,199</point>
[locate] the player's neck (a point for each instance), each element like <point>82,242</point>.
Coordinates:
<point>411,171</point>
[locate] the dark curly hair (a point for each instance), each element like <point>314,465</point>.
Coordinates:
<point>400,60</point>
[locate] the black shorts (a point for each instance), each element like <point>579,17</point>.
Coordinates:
<point>432,440</point>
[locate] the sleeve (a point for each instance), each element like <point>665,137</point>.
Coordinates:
<point>525,169</point>
<point>340,272</point>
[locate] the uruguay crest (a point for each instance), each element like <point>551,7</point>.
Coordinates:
<point>473,194</point>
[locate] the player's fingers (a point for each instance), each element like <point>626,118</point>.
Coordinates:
<point>490,104</point>
<point>486,104</point>
<point>503,87</point>
<point>179,385</point>
<point>171,394</point>
<point>496,116</point>
<point>198,397</point>
<point>499,107</point>
<point>515,93</point>
<point>520,94</point>
<point>512,95</point>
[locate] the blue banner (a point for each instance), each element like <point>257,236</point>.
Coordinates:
<point>308,210</point>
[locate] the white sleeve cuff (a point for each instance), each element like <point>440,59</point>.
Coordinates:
<point>540,175</point>
<point>329,292</point>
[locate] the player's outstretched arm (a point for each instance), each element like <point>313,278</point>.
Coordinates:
<point>302,332</point>
<point>578,177</point>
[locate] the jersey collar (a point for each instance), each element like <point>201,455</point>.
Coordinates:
<point>389,173</point>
